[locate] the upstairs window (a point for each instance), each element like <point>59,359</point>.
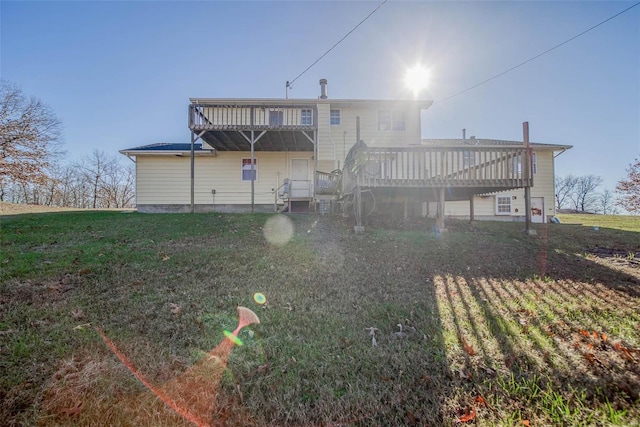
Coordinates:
<point>246,169</point>
<point>306,118</point>
<point>517,164</point>
<point>334,117</point>
<point>391,120</point>
<point>276,118</point>
<point>503,205</point>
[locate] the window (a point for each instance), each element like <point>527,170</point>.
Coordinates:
<point>246,169</point>
<point>276,118</point>
<point>306,118</point>
<point>334,117</point>
<point>503,205</point>
<point>517,164</point>
<point>391,120</point>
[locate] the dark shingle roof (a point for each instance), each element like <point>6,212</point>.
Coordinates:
<point>168,148</point>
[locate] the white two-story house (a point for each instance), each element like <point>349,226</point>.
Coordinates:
<point>276,154</point>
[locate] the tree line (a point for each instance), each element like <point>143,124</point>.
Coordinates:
<point>580,193</point>
<point>31,161</point>
<point>31,170</point>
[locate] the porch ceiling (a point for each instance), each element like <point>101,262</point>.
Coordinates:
<point>272,140</point>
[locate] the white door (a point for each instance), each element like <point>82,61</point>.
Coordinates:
<point>300,183</point>
<point>537,209</point>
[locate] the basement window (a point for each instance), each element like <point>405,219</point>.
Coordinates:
<point>391,120</point>
<point>246,169</point>
<point>503,205</point>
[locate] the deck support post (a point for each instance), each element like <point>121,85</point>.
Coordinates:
<point>357,204</point>
<point>440,216</point>
<point>253,170</point>
<point>526,172</point>
<point>194,138</point>
<point>251,139</point>
<point>471,210</point>
<point>406,207</point>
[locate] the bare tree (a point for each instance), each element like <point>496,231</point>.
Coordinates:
<point>607,202</point>
<point>29,137</point>
<point>630,189</point>
<point>584,196</point>
<point>108,182</point>
<point>565,186</point>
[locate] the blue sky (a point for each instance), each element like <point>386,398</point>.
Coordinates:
<point>119,74</point>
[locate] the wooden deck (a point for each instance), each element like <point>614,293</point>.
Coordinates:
<point>469,170</point>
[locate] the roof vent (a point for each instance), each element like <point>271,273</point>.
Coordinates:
<point>323,89</point>
<point>472,137</point>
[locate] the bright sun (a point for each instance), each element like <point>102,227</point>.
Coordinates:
<point>417,78</point>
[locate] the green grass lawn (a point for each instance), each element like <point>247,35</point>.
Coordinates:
<point>482,324</point>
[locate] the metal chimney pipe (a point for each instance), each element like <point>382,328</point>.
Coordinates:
<point>323,89</point>
<point>464,134</point>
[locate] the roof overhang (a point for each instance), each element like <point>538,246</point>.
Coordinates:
<point>177,153</point>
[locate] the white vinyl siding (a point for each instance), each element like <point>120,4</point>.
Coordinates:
<point>167,179</point>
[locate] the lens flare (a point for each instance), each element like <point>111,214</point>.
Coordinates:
<point>278,230</point>
<point>259,298</point>
<point>234,339</point>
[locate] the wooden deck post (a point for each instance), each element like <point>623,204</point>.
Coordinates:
<point>357,201</point>
<point>440,217</point>
<point>471,209</point>
<point>192,209</point>
<point>253,173</point>
<point>526,171</point>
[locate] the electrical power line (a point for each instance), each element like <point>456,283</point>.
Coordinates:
<point>538,55</point>
<point>290,83</point>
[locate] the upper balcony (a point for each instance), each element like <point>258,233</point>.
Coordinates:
<point>286,127</point>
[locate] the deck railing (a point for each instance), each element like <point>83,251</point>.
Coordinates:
<point>429,166</point>
<point>247,117</point>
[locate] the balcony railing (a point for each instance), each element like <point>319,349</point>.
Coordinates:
<point>419,166</point>
<point>251,117</point>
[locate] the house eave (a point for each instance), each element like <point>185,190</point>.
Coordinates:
<point>178,153</point>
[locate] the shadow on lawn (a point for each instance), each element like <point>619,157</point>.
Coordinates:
<point>553,328</point>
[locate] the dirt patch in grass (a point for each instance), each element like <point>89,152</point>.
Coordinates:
<point>482,323</point>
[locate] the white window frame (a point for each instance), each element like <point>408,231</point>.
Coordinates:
<point>395,122</point>
<point>248,169</point>
<point>306,117</point>
<point>498,204</point>
<point>335,118</point>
